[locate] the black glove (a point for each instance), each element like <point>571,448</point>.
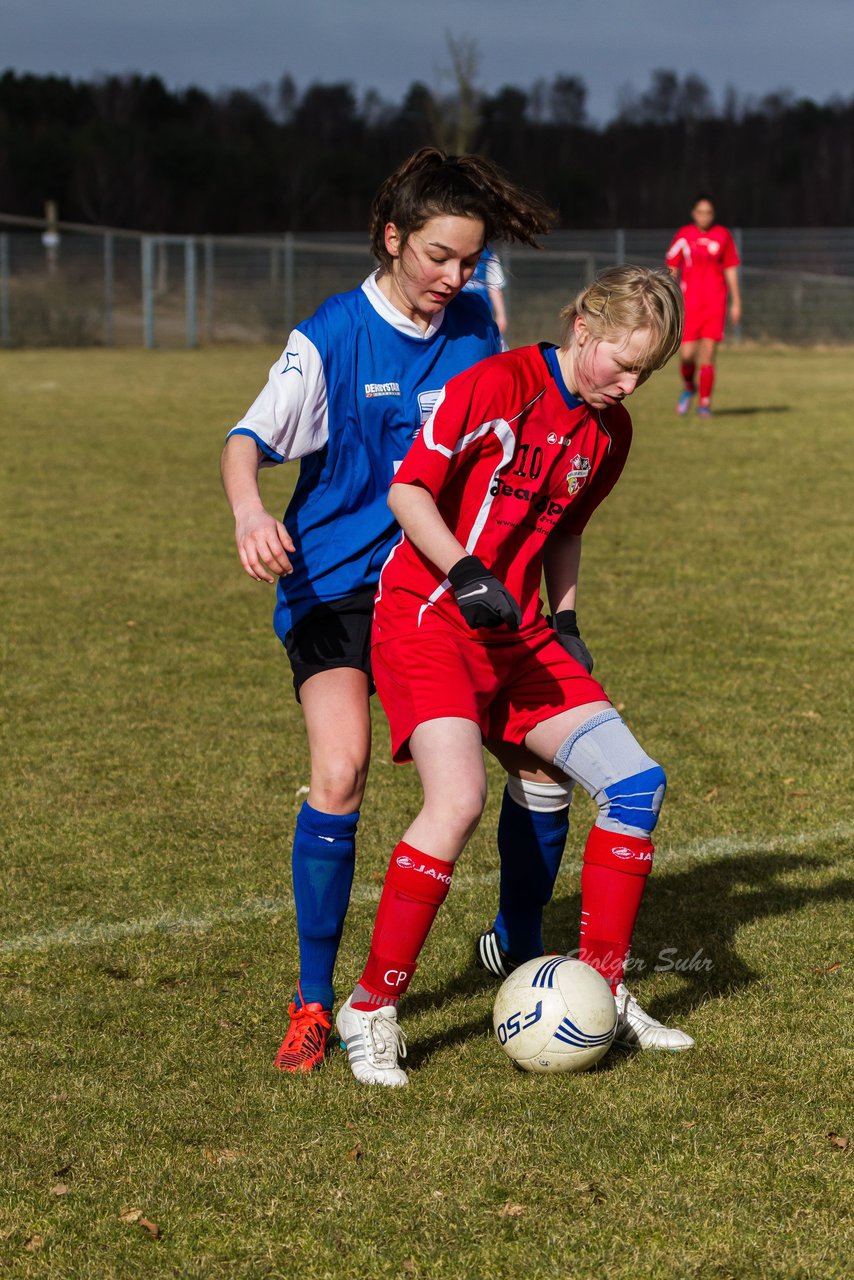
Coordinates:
<point>483,600</point>
<point>566,627</point>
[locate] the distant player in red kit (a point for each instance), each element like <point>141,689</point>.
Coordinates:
<point>704,258</point>
<point>516,456</point>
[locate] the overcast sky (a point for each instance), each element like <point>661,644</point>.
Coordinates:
<point>758,46</point>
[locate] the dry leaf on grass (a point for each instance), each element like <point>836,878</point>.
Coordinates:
<point>831,968</point>
<point>837,1141</point>
<point>33,1242</point>
<point>409,1265</point>
<point>59,1190</point>
<point>510,1210</point>
<point>137,1218</point>
<point>710,795</point>
<point>356,1154</point>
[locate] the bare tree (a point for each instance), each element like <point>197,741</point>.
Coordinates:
<point>455,114</point>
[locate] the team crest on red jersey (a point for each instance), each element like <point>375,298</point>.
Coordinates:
<point>579,473</point>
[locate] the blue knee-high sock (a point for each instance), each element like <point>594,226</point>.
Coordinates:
<point>324,859</point>
<point>530,846</point>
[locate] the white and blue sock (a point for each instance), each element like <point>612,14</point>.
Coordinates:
<point>532,831</point>
<point>324,859</point>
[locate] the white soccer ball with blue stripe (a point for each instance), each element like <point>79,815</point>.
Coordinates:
<point>555,1014</point>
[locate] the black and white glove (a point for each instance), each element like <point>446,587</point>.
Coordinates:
<point>483,600</point>
<point>566,627</point>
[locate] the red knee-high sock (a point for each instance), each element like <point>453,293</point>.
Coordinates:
<point>707,381</point>
<point>688,369</point>
<point>613,879</point>
<point>415,887</point>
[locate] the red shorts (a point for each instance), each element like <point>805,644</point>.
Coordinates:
<point>704,318</point>
<point>506,687</point>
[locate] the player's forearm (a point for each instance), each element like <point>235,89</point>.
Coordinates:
<point>731,277</point>
<point>416,512</point>
<point>561,566</point>
<point>239,469</point>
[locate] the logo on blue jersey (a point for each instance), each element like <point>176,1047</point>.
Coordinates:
<point>427,403</point>
<point>579,473</point>
<point>292,362</point>
<point>382,389</point>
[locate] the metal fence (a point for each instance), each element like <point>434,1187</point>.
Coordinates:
<point>83,286</point>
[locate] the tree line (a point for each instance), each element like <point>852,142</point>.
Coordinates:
<point>127,151</point>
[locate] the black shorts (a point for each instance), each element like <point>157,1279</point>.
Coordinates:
<point>336,633</point>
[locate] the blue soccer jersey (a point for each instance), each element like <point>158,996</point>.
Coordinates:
<point>488,274</point>
<point>348,395</point>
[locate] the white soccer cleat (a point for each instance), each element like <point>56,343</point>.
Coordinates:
<point>638,1030</point>
<point>374,1040</point>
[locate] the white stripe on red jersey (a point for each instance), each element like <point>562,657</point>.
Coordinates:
<point>507,460</point>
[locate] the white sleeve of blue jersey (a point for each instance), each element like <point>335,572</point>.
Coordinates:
<point>290,418</point>
<point>495,277</point>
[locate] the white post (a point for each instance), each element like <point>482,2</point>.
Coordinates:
<point>109,291</point>
<point>190,290</point>
<point>209,288</point>
<point>147,251</point>
<point>289,282</point>
<point>5,315</point>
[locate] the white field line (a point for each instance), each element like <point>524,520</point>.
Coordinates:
<point>89,933</point>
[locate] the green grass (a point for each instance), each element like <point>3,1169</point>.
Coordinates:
<point>153,765</point>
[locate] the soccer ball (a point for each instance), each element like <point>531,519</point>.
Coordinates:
<point>555,1014</point>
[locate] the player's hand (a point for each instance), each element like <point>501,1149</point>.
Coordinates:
<point>566,628</point>
<point>482,599</point>
<point>263,544</point>
<point>735,313</point>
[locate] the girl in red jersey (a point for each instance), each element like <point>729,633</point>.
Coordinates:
<point>347,397</point>
<point>704,258</point>
<point>518,453</point>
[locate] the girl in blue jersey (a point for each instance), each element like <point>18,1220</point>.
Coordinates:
<point>350,392</point>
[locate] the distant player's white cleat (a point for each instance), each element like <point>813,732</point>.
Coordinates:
<point>374,1040</point>
<point>638,1030</point>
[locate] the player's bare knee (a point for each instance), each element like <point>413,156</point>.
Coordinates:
<point>338,784</point>
<point>459,814</point>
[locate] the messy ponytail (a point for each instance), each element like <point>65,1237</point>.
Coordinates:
<point>431,183</point>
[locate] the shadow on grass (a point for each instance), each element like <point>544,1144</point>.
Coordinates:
<point>689,921</point>
<point>688,925</point>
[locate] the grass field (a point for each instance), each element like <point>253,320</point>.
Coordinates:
<point>153,765</point>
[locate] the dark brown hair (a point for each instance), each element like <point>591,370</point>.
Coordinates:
<point>431,183</point>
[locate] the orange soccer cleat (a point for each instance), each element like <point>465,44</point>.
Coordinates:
<point>305,1043</point>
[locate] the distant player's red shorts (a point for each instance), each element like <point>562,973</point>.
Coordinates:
<point>704,318</point>
<point>506,686</point>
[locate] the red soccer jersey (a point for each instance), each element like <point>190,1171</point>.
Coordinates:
<point>701,257</point>
<point>507,456</point>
